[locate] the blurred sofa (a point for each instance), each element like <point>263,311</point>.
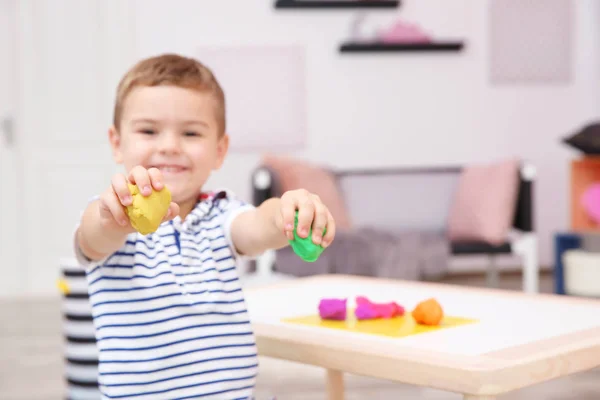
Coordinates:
<point>407,223</point>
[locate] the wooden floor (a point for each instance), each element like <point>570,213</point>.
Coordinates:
<point>31,363</point>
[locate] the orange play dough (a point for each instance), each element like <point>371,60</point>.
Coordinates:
<point>428,312</point>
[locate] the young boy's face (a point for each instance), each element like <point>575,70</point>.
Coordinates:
<point>175,130</point>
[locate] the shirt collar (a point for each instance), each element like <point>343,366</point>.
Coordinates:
<point>205,203</point>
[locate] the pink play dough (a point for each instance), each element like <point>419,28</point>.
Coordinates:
<point>333,309</point>
<point>366,309</point>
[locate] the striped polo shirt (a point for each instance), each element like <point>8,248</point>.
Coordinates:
<point>169,312</point>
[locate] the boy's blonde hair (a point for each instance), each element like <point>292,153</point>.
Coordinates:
<point>175,70</point>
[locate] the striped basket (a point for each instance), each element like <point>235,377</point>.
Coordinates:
<point>81,351</point>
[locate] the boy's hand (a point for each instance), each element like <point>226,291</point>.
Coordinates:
<point>117,196</point>
<point>312,213</point>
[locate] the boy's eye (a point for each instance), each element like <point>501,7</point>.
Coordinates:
<point>147,131</point>
<point>191,133</point>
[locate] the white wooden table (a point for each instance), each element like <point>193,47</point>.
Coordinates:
<point>518,340</point>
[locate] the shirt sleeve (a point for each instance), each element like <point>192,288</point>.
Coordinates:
<point>232,207</point>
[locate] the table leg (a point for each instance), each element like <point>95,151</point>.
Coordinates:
<point>335,385</point>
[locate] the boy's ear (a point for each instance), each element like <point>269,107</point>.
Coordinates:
<point>222,148</point>
<point>114,137</point>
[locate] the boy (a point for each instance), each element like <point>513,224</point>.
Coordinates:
<point>169,313</point>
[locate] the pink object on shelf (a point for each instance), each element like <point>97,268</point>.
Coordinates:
<point>366,309</point>
<point>590,200</point>
<point>333,309</point>
<point>403,32</point>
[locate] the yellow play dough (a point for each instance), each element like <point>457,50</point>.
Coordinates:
<point>147,213</point>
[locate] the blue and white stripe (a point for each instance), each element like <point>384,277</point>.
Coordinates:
<point>169,312</point>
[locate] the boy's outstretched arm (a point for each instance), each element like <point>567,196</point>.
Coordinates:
<point>271,224</point>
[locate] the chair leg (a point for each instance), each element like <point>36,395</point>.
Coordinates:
<point>531,271</point>
<point>492,275</point>
<point>527,248</point>
<point>265,263</point>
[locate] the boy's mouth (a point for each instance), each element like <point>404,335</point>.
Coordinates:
<point>171,169</point>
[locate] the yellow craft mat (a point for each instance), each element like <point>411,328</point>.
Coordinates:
<point>392,327</point>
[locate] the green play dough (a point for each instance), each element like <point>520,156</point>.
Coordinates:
<point>304,247</point>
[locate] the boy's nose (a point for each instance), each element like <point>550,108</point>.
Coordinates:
<point>170,143</point>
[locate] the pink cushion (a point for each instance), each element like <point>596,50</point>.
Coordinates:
<point>485,203</point>
<point>296,174</point>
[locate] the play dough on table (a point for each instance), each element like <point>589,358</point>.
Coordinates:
<point>385,319</point>
<point>366,309</point>
<point>305,248</point>
<point>334,309</point>
<point>147,212</point>
<point>428,312</point>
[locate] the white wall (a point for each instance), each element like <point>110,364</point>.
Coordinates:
<point>409,109</point>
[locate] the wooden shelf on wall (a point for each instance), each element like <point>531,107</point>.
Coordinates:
<point>335,4</point>
<point>358,47</point>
